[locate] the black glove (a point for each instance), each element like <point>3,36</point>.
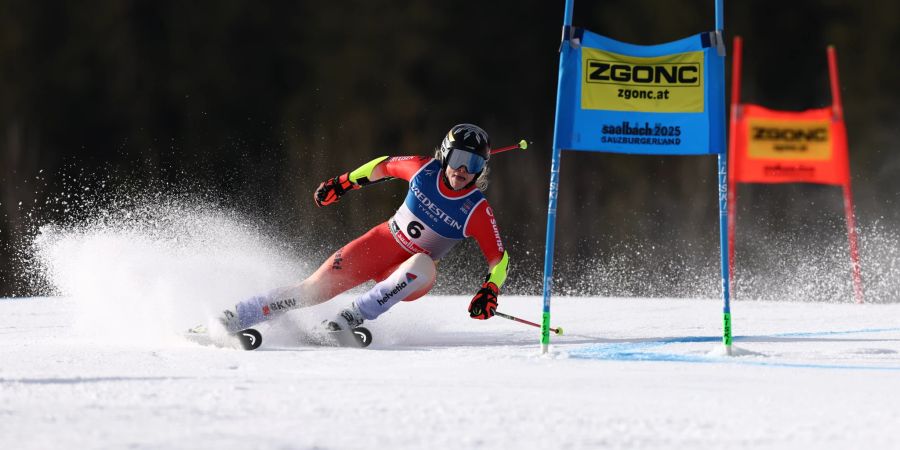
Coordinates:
<point>330,191</point>
<point>484,304</point>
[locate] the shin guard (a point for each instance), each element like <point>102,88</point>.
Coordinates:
<point>415,275</point>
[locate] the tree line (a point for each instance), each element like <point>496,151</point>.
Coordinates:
<point>260,101</point>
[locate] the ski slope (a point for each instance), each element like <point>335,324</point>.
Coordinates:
<point>629,373</point>
<point>104,363</point>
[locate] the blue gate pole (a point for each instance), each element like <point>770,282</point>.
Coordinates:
<point>723,213</point>
<point>723,244</point>
<point>554,185</point>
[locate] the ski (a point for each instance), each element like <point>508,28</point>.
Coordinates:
<point>360,337</point>
<point>249,339</point>
<point>363,336</point>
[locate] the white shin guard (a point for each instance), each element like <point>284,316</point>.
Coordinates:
<point>415,274</point>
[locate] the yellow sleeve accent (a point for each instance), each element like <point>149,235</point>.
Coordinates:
<point>365,171</point>
<point>498,273</point>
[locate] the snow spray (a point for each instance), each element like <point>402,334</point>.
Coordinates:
<point>784,267</point>
<point>145,266</point>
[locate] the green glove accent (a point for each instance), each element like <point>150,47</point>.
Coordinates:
<point>363,174</point>
<point>498,273</point>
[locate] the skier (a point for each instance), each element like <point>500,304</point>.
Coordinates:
<point>444,205</point>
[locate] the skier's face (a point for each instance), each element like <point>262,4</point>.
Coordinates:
<point>459,178</point>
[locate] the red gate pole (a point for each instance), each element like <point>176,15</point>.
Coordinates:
<point>838,116</point>
<point>732,150</point>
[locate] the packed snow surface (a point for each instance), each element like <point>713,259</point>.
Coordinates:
<point>628,373</point>
<point>104,363</point>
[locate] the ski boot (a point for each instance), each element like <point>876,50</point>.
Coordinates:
<point>345,330</point>
<point>249,338</point>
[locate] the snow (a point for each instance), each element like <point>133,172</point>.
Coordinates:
<point>103,364</point>
<point>629,373</point>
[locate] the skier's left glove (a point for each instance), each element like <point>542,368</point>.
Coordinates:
<point>330,191</point>
<point>484,304</point>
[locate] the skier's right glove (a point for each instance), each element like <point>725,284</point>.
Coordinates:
<point>484,304</point>
<point>330,191</point>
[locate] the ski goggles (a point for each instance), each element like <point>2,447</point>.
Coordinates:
<point>458,158</point>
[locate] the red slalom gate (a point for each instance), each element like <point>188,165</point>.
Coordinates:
<point>770,146</point>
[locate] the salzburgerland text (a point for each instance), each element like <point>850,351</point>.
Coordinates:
<point>627,133</point>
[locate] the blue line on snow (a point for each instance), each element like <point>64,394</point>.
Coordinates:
<point>832,333</point>
<point>635,351</point>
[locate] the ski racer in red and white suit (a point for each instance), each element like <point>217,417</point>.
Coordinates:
<point>443,206</point>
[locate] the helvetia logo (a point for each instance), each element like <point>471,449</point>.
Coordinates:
<point>399,287</point>
<point>410,277</point>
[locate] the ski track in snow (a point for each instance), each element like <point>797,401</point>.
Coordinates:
<point>629,373</point>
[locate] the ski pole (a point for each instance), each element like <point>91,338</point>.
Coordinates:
<point>522,144</point>
<point>557,330</point>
